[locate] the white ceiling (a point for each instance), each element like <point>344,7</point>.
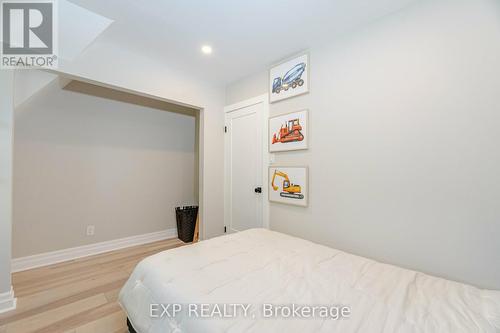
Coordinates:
<point>246,36</point>
<point>78,28</point>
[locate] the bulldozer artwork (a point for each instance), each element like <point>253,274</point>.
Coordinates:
<point>290,132</point>
<point>292,191</point>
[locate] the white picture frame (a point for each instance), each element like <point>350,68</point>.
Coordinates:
<point>289,131</point>
<point>289,78</point>
<point>289,185</point>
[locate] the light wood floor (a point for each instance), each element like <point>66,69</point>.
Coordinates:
<point>78,296</point>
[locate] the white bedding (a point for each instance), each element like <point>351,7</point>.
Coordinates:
<point>260,266</point>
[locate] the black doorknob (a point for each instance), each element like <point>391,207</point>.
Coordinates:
<point>258,189</point>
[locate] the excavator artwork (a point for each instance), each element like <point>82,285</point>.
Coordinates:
<point>290,190</point>
<point>290,132</point>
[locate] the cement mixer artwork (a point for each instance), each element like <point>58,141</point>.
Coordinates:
<point>290,78</point>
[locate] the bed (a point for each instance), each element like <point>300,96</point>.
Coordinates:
<point>258,268</point>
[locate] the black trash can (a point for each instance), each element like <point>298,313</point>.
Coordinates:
<point>186,222</point>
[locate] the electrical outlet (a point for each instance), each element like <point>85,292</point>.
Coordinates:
<point>90,230</point>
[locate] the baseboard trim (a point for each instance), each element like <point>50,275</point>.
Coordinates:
<point>7,301</point>
<point>49,258</point>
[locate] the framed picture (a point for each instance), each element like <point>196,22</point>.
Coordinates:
<point>290,78</point>
<point>288,131</point>
<point>288,185</point>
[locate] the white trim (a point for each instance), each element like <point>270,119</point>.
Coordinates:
<point>49,258</point>
<point>7,301</point>
<point>264,99</point>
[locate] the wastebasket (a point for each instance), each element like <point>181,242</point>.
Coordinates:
<point>186,222</point>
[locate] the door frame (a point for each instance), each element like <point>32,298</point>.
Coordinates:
<point>264,100</point>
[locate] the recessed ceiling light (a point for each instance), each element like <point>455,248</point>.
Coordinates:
<point>207,49</point>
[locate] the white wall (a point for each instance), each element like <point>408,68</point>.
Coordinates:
<point>84,160</point>
<point>404,154</point>
<point>6,152</point>
<point>251,86</point>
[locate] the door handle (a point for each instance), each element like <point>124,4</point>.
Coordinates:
<point>258,189</point>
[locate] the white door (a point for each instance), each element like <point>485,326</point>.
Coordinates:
<point>244,168</point>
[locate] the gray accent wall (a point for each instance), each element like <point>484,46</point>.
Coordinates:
<point>83,159</point>
<point>404,151</point>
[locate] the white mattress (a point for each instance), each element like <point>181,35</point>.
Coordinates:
<point>260,266</point>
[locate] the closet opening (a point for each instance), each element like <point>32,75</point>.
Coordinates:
<point>94,164</point>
